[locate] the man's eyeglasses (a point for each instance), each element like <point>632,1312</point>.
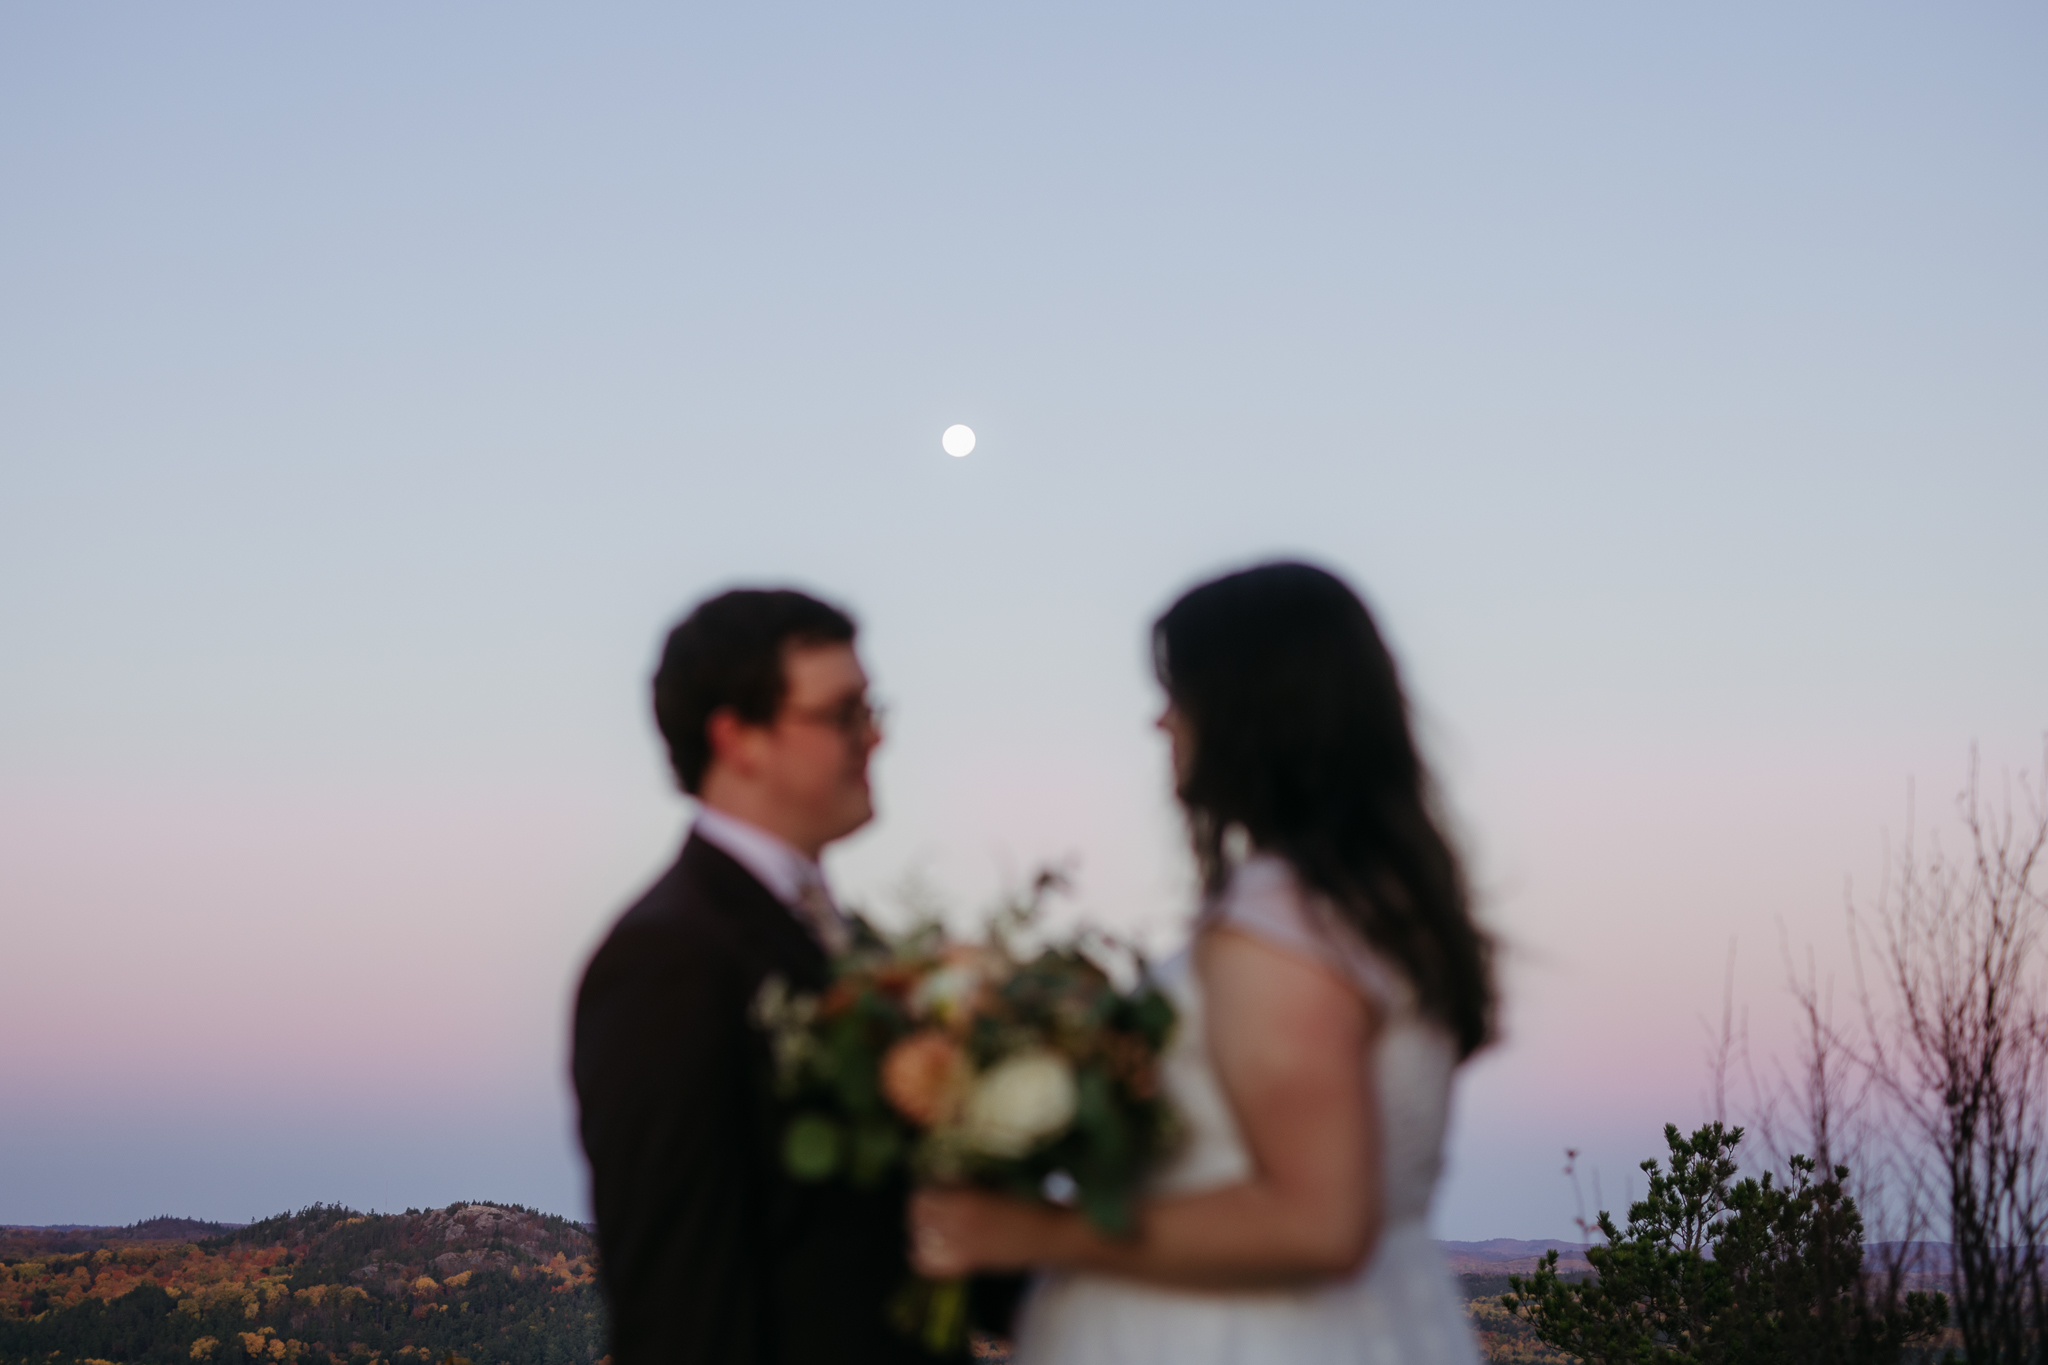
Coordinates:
<point>853,718</point>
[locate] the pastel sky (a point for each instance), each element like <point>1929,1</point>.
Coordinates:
<point>377,383</point>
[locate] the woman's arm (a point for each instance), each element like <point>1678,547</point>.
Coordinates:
<point>1291,1042</point>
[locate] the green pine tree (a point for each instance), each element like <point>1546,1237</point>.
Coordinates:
<point>1715,1271</point>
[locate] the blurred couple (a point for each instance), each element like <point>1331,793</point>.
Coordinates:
<point>1335,980</point>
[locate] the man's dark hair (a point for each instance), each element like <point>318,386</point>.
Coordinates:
<point>728,652</point>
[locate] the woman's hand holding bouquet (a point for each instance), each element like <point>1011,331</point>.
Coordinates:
<point>974,1064</point>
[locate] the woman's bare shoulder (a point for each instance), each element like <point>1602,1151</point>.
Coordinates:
<point>1267,900</point>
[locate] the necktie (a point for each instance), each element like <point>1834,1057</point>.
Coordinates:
<point>815,908</point>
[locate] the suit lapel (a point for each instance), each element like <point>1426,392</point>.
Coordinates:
<point>761,925</point>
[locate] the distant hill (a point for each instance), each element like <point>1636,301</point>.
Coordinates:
<point>1915,1258</point>
<point>18,1242</point>
<point>1505,1256</point>
<point>492,1283</point>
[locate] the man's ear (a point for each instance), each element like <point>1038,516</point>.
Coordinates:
<point>727,736</point>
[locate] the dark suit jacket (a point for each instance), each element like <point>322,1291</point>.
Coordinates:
<point>708,1252</point>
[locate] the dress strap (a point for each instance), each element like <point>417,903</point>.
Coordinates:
<point>1266,899</point>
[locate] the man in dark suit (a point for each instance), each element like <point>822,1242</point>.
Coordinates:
<point>708,1251</point>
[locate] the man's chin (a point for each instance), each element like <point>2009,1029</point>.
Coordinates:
<point>857,817</point>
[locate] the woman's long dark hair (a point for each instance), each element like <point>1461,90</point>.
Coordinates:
<point>1301,737</point>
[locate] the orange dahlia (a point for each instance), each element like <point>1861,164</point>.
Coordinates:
<point>925,1077</point>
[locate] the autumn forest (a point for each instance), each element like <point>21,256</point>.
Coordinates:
<point>325,1286</point>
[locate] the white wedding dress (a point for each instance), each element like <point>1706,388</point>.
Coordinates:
<point>1401,1308</point>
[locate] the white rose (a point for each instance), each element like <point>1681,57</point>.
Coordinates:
<point>1019,1102</point>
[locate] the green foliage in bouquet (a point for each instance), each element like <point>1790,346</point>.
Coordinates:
<point>1713,1270</point>
<point>973,1063</point>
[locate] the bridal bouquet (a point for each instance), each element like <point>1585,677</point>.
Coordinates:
<point>974,1063</point>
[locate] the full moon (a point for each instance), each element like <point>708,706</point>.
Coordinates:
<point>958,440</point>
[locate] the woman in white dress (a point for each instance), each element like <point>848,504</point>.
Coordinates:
<point>1335,981</point>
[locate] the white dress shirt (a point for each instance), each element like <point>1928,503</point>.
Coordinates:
<point>798,882</point>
